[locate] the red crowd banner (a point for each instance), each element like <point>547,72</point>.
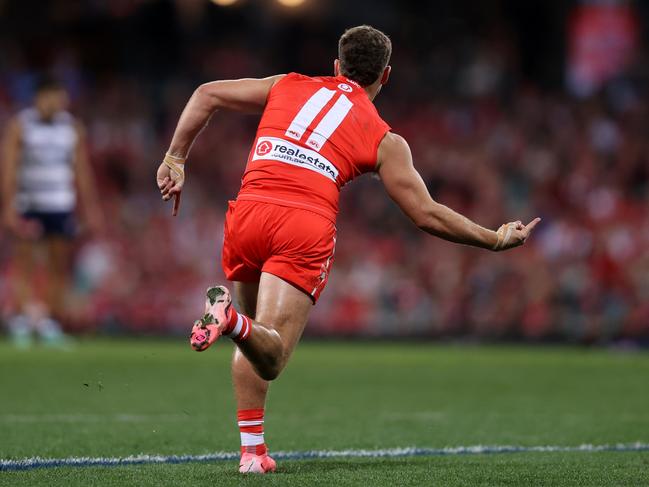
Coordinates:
<point>603,39</point>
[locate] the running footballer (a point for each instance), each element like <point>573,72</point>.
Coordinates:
<point>316,134</point>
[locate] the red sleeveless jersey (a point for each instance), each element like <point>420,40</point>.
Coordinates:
<point>315,135</point>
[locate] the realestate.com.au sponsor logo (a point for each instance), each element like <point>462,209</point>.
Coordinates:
<point>273,148</point>
<point>264,148</point>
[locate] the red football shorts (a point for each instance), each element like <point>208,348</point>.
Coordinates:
<point>293,244</point>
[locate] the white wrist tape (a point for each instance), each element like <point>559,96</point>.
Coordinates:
<point>176,165</point>
<point>504,233</point>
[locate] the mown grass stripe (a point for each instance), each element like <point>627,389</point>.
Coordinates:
<point>38,462</point>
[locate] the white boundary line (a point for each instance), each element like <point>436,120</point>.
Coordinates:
<point>39,462</point>
<point>90,418</point>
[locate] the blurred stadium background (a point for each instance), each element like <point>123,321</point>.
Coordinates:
<point>513,109</point>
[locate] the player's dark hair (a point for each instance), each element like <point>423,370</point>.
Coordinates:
<point>363,52</point>
<point>47,82</point>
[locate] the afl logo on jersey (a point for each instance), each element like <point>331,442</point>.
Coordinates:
<point>264,148</point>
<point>345,87</point>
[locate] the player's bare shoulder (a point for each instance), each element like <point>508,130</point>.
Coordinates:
<point>393,150</point>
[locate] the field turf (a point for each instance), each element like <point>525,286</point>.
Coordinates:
<point>122,398</point>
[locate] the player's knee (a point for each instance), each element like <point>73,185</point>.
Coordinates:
<point>268,370</point>
<point>273,366</point>
<point>269,373</point>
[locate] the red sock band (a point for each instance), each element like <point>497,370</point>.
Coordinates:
<point>251,428</point>
<point>238,327</point>
<point>232,320</point>
<point>250,414</point>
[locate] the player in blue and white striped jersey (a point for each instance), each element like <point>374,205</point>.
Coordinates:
<point>44,167</point>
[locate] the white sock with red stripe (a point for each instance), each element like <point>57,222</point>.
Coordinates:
<point>251,428</point>
<point>238,327</point>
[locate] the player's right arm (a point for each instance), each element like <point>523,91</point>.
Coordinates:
<point>406,187</point>
<point>8,176</point>
<point>243,95</point>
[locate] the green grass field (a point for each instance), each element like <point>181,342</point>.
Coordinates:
<point>121,398</point>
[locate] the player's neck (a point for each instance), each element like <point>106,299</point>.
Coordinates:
<point>45,115</point>
<point>372,90</point>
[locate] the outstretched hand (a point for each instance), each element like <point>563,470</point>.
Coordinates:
<point>514,234</point>
<point>170,179</point>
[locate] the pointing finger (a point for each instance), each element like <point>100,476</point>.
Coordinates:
<point>530,226</point>
<point>174,212</point>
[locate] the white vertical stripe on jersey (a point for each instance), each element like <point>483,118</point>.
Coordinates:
<point>308,112</point>
<point>329,123</point>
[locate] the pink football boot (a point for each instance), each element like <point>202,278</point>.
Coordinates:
<point>217,311</point>
<point>251,463</point>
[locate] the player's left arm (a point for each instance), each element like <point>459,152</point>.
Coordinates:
<point>406,187</point>
<point>243,95</point>
<point>85,181</point>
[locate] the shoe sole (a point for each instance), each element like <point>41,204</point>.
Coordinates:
<point>208,321</point>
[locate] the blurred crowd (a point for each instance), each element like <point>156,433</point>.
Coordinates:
<point>490,142</point>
